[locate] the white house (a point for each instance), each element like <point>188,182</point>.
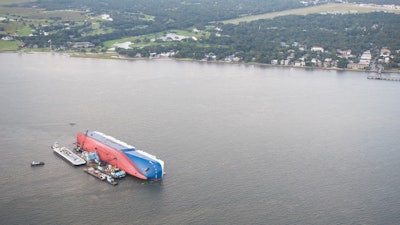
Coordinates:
<point>317,49</point>
<point>366,58</point>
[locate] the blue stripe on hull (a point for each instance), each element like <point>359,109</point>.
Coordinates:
<point>150,168</point>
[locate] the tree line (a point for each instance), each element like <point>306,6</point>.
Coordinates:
<point>275,39</point>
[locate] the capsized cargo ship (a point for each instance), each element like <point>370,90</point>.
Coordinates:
<point>135,162</point>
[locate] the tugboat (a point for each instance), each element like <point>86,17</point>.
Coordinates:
<point>37,163</point>
<point>111,180</point>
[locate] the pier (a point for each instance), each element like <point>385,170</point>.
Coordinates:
<point>379,77</point>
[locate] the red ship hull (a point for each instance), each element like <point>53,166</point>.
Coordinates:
<point>109,155</point>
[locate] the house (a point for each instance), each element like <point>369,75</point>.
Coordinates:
<point>366,58</point>
<point>173,37</point>
<point>7,38</point>
<point>356,66</point>
<point>344,53</point>
<point>167,54</point>
<point>106,17</point>
<point>327,62</point>
<point>81,44</point>
<point>210,56</point>
<point>317,49</point>
<point>284,45</point>
<point>385,52</point>
<point>314,61</point>
<point>299,63</point>
<point>302,47</point>
<point>285,62</point>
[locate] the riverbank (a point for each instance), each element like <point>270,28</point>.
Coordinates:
<point>117,56</point>
<point>120,57</point>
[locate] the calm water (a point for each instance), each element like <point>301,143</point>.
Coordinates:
<point>241,144</point>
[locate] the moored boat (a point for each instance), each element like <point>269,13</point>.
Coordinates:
<point>119,154</point>
<point>111,180</point>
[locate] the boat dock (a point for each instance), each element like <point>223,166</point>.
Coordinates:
<point>379,77</point>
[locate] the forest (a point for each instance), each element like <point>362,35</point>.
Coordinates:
<point>141,17</point>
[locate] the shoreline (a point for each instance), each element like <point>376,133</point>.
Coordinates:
<point>120,57</point>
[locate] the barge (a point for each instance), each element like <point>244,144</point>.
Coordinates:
<point>92,171</point>
<point>112,151</point>
<point>68,155</point>
<point>99,175</point>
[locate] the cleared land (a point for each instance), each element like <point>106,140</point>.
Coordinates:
<point>34,13</point>
<point>9,45</point>
<point>337,8</point>
<point>9,2</point>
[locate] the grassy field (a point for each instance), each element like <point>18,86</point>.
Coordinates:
<point>9,45</point>
<point>42,14</point>
<point>326,8</point>
<point>19,19</point>
<point>110,43</point>
<point>25,31</point>
<point>10,27</point>
<point>148,17</point>
<point>8,2</point>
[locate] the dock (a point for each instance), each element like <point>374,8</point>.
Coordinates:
<point>379,77</point>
